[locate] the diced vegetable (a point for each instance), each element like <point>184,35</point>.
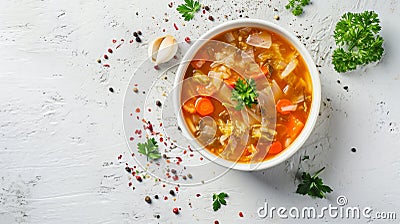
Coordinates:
<point>290,108</point>
<point>275,148</point>
<point>229,37</point>
<point>261,39</point>
<point>189,107</point>
<point>294,126</point>
<point>231,81</point>
<point>283,106</point>
<point>208,90</point>
<point>197,64</point>
<point>204,106</point>
<point>289,68</point>
<point>276,90</point>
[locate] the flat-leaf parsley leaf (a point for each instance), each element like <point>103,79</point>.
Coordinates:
<point>188,9</point>
<point>218,200</point>
<point>313,185</point>
<point>149,149</point>
<point>245,93</point>
<point>296,6</point>
<point>356,36</point>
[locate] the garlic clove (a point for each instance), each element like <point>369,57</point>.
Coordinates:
<point>153,48</point>
<point>163,49</point>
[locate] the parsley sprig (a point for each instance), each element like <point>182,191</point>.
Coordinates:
<point>188,9</point>
<point>296,6</point>
<point>218,200</point>
<point>313,185</point>
<point>356,36</point>
<point>149,149</point>
<point>245,93</point>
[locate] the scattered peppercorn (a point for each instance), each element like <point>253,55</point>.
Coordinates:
<point>139,32</point>
<point>241,214</point>
<point>346,88</point>
<point>110,50</point>
<point>111,89</point>
<point>158,103</point>
<point>156,196</point>
<point>128,169</point>
<point>187,39</point>
<point>353,149</point>
<point>157,216</point>
<point>175,210</point>
<point>211,18</point>
<point>138,39</point>
<point>98,61</point>
<point>138,178</point>
<point>184,177</point>
<point>190,176</point>
<point>105,56</point>
<point>216,222</point>
<point>207,8</point>
<point>173,171</point>
<point>136,90</point>
<point>172,192</point>
<point>276,17</point>
<point>147,199</point>
<point>135,34</point>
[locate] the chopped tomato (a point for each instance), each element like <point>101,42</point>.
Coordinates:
<point>283,103</point>
<point>204,106</point>
<point>275,148</point>
<point>294,126</point>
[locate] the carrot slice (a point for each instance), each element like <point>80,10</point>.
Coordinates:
<point>275,148</point>
<point>204,106</point>
<point>231,81</point>
<point>283,103</point>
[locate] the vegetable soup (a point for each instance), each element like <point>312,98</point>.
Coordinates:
<point>248,95</point>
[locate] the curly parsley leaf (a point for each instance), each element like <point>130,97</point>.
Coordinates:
<point>188,9</point>
<point>218,200</point>
<point>313,185</point>
<point>296,6</point>
<point>149,149</point>
<point>358,41</point>
<point>245,93</point>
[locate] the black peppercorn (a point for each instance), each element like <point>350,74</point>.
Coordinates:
<point>147,199</point>
<point>138,39</point>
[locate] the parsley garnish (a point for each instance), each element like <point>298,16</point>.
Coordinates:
<point>313,185</point>
<point>245,93</point>
<point>219,199</point>
<point>356,36</point>
<point>296,6</point>
<point>188,9</point>
<point>149,149</point>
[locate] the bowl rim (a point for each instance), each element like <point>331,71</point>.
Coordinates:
<point>315,82</point>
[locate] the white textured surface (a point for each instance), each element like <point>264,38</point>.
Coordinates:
<point>61,129</point>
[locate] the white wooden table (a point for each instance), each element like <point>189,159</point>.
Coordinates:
<point>61,129</point>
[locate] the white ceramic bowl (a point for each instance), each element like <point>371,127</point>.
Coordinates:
<point>316,93</point>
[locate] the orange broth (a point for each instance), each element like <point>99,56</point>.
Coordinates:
<point>295,87</point>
